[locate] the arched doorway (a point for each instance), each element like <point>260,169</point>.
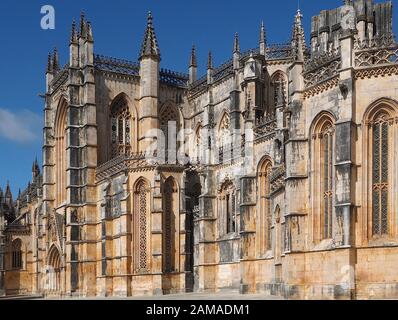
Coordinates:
<point>170,222</point>
<point>53,272</point>
<point>193,191</point>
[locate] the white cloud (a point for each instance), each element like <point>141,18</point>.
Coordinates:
<point>22,127</point>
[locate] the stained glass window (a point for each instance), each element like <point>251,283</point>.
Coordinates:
<point>380,174</point>
<point>120,127</point>
<point>169,120</point>
<point>17,254</point>
<point>265,206</point>
<point>327,142</point>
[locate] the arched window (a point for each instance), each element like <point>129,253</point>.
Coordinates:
<point>140,226</point>
<point>265,216</point>
<point>324,176</point>
<point>380,173</point>
<point>327,178</point>
<point>60,152</point>
<point>169,125</point>
<point>16,248</point>
<point>279,94</point>
<point>227,208</point>
<point>224,137</point>
<point>121,126</point>
<point>170,213</point>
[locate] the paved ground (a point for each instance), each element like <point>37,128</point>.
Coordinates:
<point>223,296</point>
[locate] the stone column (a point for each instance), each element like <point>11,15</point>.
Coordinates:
<point>345,130</point>
<point>157,235</point>
<point>204,236</point>
<point>248,233</point>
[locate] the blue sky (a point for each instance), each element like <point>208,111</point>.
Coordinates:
<point>118,27</point>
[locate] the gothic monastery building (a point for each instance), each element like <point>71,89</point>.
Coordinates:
<point>273,173</point>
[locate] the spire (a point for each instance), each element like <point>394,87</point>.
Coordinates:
<point>73,37</point>
<point>210,61</point>
<point>35,169</point>
<point>90,36</point>
<point>50,68</point>
<point>8,194</point>
<point>263,40</point>
<point>193,62</point>
<point>150,44</point>
<point>236,43</point>
<point>83,25</point>
<point>298,36</point>
<point>55,60</point>
<point>263,37</point>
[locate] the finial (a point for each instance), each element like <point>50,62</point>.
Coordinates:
<point>90,36</point>
<point>236,43</point>
<point>193,62</point>
<point>50,68</point>
<point>263,39</point>
<point>83,30</point>
<point>150,46</point>
<point>55,60</point>
<point>298,36</point>
<point>210,61</point>
<point>150,18</point>
<point>8,190</point>
<point>73,37</point>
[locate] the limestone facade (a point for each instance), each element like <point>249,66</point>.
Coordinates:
<point>283,180</point>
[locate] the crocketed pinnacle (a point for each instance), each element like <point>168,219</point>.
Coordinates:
<point>193,61</point>
<point>50,68</point>
<point>298,35</point>
<point>56,60</point>
<point>210,61</point>
<point>150,46</point>
<point>83,25</point>
<point>263,36</point>
<point>73,36</point>
<point>236,43</point>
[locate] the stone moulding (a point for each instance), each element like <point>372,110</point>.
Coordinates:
<point>322,67</point>
<point>60,78</point>
<point>322,87</point>
<point>375,72</point>
<point>377,51</point>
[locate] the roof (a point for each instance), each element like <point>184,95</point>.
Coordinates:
<point>130,68</point>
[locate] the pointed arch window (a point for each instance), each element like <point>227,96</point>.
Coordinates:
<point>323,163</point>
<point>121,127</point>
<point>279,86</point>
<point>380,174</point>
<point>327,178</point>
<point>227,208</point>
<point>224,137</point>
<point>17,255</point>
<point>169,125</point>
<point>140,226</point>
<point>60,153</point>
<point>265,219</point>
